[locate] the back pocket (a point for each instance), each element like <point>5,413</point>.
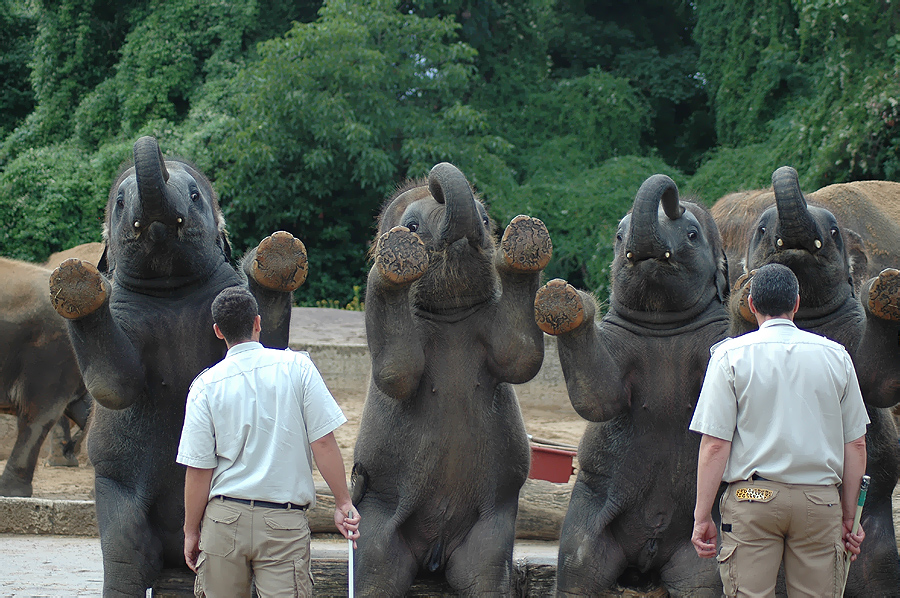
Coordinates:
<point>219,530</point>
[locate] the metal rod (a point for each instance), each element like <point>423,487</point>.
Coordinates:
<point>350,562</point>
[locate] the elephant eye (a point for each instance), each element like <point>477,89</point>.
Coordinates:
<point>834,232</point>
<point>486,221</point>
<point>692,235</point>
<point>618,236</point>
<point>762,230</point>
<point>413,226</point>
<point>195,195</point>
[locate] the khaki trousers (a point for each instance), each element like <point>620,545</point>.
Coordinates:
<point>239,541</point>
<point>797,524</point>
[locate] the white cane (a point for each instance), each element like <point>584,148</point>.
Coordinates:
<point>350,561</point>
<point>863,487</point>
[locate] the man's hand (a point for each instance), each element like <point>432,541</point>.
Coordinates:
<point>851,540</point>
<point>347,519</point>
<point>704,537</point>
<point>192,549</point>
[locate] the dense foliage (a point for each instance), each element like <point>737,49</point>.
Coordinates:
<point>306,114</point>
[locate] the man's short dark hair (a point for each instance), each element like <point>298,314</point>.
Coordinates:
<point>774,290</point>
<point>234,310</point>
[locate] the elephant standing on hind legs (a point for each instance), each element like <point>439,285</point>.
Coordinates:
<point>442,451</point>
<point>635,376</point>
<point>141,331</point>
<point>838,302</point>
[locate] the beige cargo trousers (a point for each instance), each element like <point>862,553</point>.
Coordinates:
<point>765,523</point>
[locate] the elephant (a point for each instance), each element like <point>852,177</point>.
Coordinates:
<point>869,213</point>
<point>635,376</point>
<point>442,450</point>
<point>39,378</point>
<point>861,314</point>
<point>141,329</point>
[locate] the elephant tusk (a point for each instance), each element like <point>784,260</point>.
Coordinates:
<point>779,242</point>
<point>180,220</point>
<point>818,244</point>
<point>668,255</point>
<point>629,255</point>
<point>137,224</point>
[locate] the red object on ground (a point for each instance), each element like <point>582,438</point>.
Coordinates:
<point>551,464</point>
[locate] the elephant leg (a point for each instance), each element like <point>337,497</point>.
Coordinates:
<point>482,564</point>
<point>132,552</point>
<point>383,562</point>
<point>62,446</point>
<point>590,559</point>
<point>32,429</point>
<point>686,575</point>
<point>876,571</point>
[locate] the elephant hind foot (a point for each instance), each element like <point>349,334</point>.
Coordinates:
<point>558,307</point>
<point>280,263</point>
<point>884,295</point>
<point>77,289</point>
<point>526,245</point>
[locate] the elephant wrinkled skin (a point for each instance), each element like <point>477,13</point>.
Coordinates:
<point>635,376</point>
<point>442,450</point>
<point>141,328</point>
<point>839,302</point>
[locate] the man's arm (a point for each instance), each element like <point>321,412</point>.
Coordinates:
<point>854,468</point>
<point>196,495</point>
<point>328,458</point>
<point>711,462</point>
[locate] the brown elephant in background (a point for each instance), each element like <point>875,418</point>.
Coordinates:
<point>39,378</point>
<point>868,212</point>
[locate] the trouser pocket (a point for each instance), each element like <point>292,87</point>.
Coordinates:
<point>726,568</point>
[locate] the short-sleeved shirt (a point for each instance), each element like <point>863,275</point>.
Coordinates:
<point>787,399</point>
<point>251,418</point>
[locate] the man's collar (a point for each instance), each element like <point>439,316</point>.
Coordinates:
<point>777,322</point>
<point>245,346</point>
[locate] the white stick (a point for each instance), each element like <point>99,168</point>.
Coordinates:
<point>350,566</point>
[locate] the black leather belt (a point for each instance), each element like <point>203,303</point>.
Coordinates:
<point>265,504</point>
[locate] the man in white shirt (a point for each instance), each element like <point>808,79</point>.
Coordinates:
<point>783,423</point>
<point>252,425</point>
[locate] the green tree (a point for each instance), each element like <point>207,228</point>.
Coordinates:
<point>17,32</point>
<point>331,117</point>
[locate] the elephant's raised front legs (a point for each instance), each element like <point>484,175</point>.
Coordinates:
<point>77,289</point>
<point>558,308</point>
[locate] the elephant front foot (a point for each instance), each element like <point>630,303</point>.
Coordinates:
<point>77,289</point>
<point>884,295</point>
<point>742,296</point>
<point>526,245</point>
<point>280,263</point>
<point>400,256</point>
<point>558,307</point>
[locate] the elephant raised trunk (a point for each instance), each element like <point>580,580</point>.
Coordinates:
<point>449,186</point>
<point>156,204</point>
<point>644,239</point>
<point>796,227</point>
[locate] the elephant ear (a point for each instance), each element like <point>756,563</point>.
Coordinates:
<point>722,277</point>
<point>858,259</point>
<point>103,262</point>
<point>226,246</point>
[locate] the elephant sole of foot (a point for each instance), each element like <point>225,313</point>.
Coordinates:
<point>558,308</point>
<point>884,296</point>
<point>400,256</point>
<point>526,244</point>
<point>281,263</point>
<point>77,289</point>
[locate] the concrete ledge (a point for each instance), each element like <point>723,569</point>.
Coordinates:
<point>42,516</point>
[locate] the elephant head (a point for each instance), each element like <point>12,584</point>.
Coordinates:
<point>805,238</point>
<point>163,222</point>
<point>668,254</point>
<point>456,231</point>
